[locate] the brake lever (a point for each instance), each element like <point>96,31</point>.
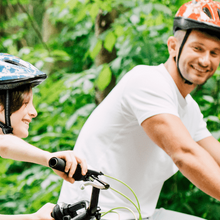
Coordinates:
<point>59,164</point>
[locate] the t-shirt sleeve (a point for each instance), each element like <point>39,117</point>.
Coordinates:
<point>146,94</point>
<point>198,122</point>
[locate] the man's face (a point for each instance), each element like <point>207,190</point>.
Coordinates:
<point>200,57</point>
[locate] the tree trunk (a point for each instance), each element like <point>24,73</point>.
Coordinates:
<point>103,23</point>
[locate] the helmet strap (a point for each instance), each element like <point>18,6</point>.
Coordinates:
<point>6,128</point>
<point>180,50</point>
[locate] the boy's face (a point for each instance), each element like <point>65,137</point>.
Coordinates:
<point>21,118</point>
<point>200,57</point>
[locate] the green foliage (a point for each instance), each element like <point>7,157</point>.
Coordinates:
<point>65,100</point>
<point>104,77</point>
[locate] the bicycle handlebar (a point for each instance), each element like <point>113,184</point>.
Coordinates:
<point>59,164</point>
<point>69,211</point>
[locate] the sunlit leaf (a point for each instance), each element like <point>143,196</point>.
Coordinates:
<point>119,31</point>
<point>162,8</point>
<point>109,42</point>
<point>104,78</point>
<point>208,98</point>
<point>94,10</point>
<point>72,4</point>
<point>96,49</point>
<point>147,8</point>
<point>116,64</point>
<point>213,118</point>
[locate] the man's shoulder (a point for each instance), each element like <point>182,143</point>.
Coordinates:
<point>144,68</point>
<point>147,72</point>
<point>149,75</point>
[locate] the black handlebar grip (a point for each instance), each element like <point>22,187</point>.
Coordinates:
<point>57,213</point>
<point>59,164</point>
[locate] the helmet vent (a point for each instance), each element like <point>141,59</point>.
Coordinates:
<point>14,63</point>
<point>194,1</point>
<point>218,12</point>
<point>206,10</point>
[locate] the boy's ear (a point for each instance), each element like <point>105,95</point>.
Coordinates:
<point>172,46</point>
<point>2,114</point>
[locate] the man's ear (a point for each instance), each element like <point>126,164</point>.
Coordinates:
<point>172,45</point>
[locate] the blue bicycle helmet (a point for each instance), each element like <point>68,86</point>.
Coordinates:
<point>15,72</point>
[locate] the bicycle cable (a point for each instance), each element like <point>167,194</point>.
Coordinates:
<point>137,207</point>
<point>112,210</point>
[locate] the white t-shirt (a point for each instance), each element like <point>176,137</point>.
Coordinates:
<point>113,141</point>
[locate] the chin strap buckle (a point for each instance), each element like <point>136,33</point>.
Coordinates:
<point>6,129</point>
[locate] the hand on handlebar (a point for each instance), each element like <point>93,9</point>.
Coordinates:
<point>69,211</point>
<point>71,163</point>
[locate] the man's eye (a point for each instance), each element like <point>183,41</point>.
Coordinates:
<point>197,48</point>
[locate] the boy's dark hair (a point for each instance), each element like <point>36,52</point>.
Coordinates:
<point>17,97</point>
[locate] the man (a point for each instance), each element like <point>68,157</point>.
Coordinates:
<point>149,126</point>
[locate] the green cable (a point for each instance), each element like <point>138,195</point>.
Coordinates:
<point>138,208</point>
<point>111,210</point>
<point>104,213</point>
<point>140,217</point>
<point>128,188</point>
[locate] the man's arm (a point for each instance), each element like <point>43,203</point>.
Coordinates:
<point>194,161</point>
<point>12,147</point>
<point>211,145</point>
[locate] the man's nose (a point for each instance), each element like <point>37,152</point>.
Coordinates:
<point>204,60</point>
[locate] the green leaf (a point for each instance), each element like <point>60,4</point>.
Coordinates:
<point>147,8</point>
<point>208,98</point>
<point>125,48</point>
<point>7,43</point>
<point>63,13</point>
<point>72,4</point>
<point>213,118</point>
<point>216,134</point>
<point>119,30</point>
<point>83,111</point>
<point>96,49</point>
<point>24,2</point>
<point>104,78</point>
<point>189,208</point>
<point>94,10</point>
<point>162,8</point>
<point>86,109</point>
<point>116,64</point>
<point>71,121</point>
<point>109,42</point>
<point>81,15</point>
<point>105,5</point>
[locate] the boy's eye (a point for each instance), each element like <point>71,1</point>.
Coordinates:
<point>214,53</point>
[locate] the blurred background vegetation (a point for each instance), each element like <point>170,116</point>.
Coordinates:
<point>85,47</point>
